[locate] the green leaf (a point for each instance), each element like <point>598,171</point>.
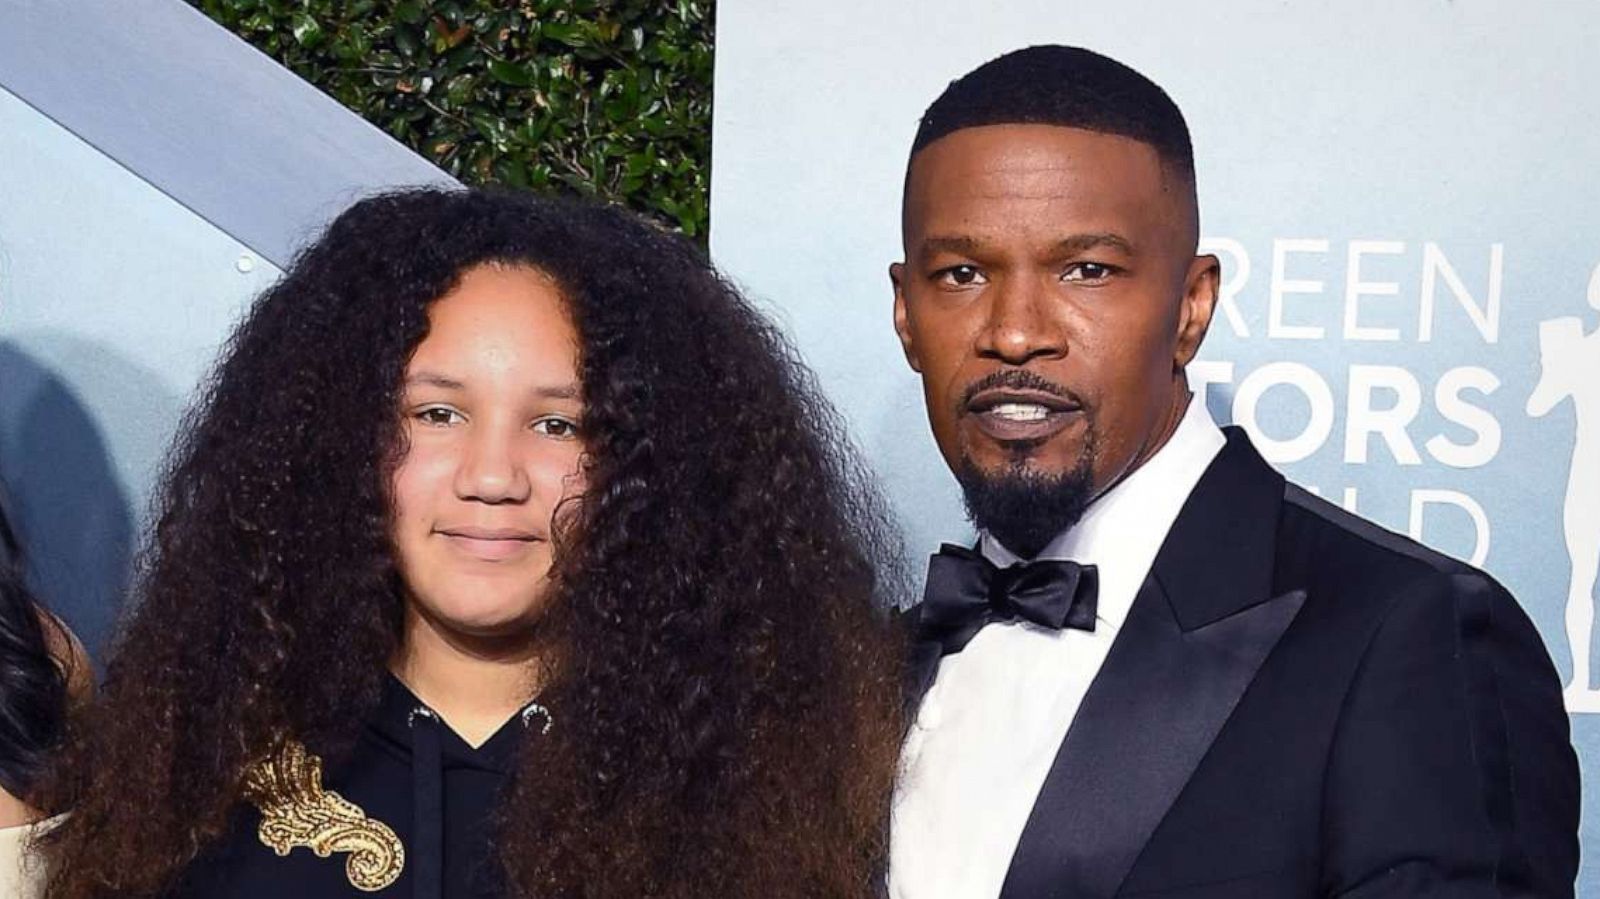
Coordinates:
<point>306,30</point>
<point>406,41</point>
<point>510,73</point>
<point>571,35</point>
<point>458,90</point>
<point>410,11</point>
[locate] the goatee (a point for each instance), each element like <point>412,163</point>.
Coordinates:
<point>1022,507</point>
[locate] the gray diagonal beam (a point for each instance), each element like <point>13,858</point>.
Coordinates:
<point>201,115</point>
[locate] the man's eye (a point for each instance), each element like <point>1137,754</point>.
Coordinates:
<point>439,416</point>
<point>1088,271</point>
<point>960,276</point>
<point>559,428</point>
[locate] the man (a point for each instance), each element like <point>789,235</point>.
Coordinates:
<point>1166,672</point>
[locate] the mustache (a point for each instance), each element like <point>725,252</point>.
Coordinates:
<point>1016,379</point>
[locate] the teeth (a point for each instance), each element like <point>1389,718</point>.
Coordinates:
<point>1020,411</point>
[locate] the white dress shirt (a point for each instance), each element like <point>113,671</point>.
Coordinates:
<point>988,728</point>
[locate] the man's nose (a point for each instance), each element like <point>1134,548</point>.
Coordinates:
<point>1021,325</point>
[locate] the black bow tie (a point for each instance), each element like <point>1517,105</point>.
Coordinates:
<point>966,591</point>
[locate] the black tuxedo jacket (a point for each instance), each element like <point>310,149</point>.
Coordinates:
<point>1301,704</point>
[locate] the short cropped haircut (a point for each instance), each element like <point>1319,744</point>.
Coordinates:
<point>1066,86</point>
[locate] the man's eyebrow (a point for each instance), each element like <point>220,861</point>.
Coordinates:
<point>963,246</point>
<point>1078,243</point>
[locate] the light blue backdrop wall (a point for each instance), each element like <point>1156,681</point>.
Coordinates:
<point>1401,193</point>
<point>155,173</point>
<point>113,301</point>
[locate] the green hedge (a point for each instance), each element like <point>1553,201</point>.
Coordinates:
<point>611,98</point>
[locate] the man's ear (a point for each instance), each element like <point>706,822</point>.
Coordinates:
<point>902,327</point>
<point>1199,302</point>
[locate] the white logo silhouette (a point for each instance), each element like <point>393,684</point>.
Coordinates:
<point>1570,362</point>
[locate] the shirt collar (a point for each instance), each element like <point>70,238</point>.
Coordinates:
<point>1121,531</point>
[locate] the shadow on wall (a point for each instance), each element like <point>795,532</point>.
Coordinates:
<point>72,515</point>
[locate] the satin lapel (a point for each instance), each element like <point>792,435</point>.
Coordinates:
<point>1142,729</point>
<point>1196,635</point>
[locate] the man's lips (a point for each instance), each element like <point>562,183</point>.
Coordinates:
<point>1008,414</point>
<point>985,400</point>
<point>489,544</point>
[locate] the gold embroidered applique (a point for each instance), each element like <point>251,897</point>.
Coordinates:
<point>297,811</point>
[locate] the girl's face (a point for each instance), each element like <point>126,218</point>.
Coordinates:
<point>492,414</point>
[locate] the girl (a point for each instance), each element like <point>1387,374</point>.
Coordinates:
<point>509,553</point>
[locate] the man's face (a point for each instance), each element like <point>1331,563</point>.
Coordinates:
<point>1050,298</point>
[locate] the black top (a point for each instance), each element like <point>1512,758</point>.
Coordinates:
<point>409,771</point>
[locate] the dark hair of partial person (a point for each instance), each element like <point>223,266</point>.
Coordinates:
<point>33,683</point>
<point>728,686</point>
<point>1066,86</point>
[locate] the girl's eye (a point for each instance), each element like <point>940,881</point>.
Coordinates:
<point>559,428</point>
<point>960,276</point>
<point>439,416</point>
<point>1087,271</point>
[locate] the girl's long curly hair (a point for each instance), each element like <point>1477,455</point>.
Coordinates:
<point>728,688</point>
